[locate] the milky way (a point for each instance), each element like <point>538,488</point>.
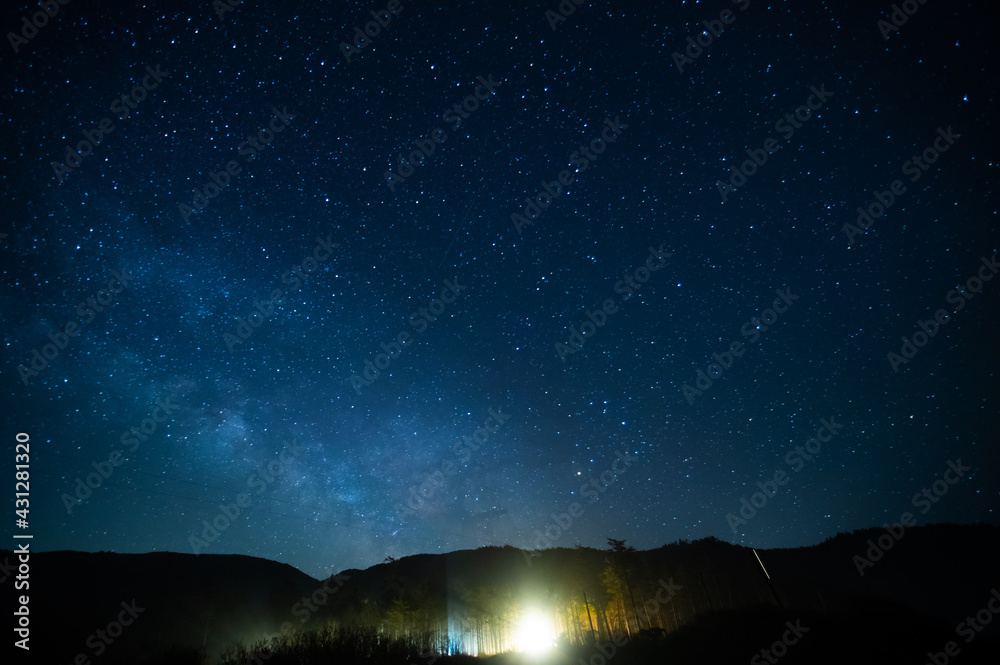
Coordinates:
<point>329,282</point>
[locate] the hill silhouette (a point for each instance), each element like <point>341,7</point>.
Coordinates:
<point>702,601</point>
<point>183,604</point>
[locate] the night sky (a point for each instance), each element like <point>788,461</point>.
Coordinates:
<point>217,342</point>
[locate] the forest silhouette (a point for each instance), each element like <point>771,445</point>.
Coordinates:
<point>686,602</point>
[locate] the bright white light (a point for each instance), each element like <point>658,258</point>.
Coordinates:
<point>535,633</point>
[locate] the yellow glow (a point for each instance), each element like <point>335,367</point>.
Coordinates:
<point>535,633</point>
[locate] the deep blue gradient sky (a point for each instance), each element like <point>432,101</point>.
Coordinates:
<point>336,503</point>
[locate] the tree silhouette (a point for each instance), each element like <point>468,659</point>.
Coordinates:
<point>618,546</point>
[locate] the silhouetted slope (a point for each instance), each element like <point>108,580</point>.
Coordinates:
<point>186,601</point>
<point>945,571</point>
<point>941,570</point>
<point>929,580</point>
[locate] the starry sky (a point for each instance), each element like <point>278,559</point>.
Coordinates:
<point>187,351</point>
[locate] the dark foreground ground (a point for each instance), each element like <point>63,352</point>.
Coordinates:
<point>875,636</point>
<point>741,637</point>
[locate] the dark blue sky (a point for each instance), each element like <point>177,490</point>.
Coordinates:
<point>239,336</point>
